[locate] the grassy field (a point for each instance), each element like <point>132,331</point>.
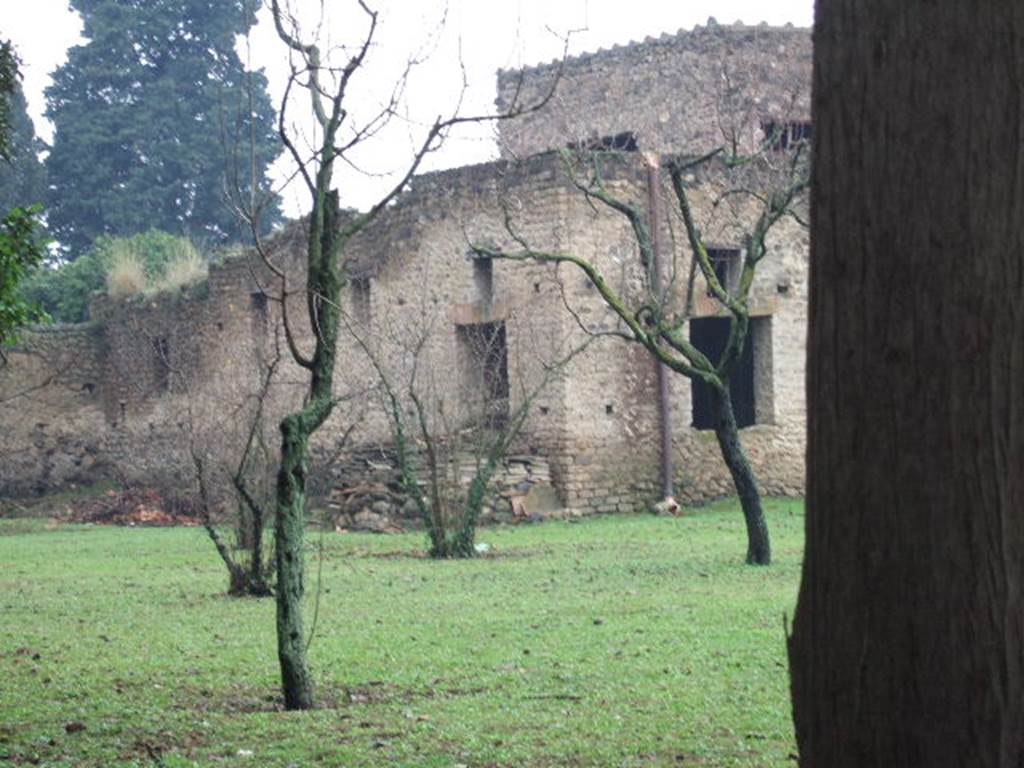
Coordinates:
<point>620,641</point>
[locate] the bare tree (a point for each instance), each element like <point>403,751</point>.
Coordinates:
<point>313,341</point>
<point>755,191</point>
<point>908,641</point>
<point>450,440</point>
<point>211,441</point>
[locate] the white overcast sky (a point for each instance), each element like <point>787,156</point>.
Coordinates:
<point>487,34</point>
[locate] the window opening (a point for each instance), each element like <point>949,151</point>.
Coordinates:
<point>620,142</point>
<point>162,363</point>
<point>750,384</point>
<point>483,279</point>
<point>484,353</point>
<point>361,299</point>
<point>726,264</point>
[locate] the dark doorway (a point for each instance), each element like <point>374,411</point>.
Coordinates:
<point>709,335</point>
<point>161,363</point>
<point>484,349</point>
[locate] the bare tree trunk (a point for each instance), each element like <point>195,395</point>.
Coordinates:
<point>759,548</point>
<point>908,640</point>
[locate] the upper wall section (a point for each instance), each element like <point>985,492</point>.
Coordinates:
<point>676,93</point>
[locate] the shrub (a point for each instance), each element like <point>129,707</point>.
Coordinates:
<point>64,290</point>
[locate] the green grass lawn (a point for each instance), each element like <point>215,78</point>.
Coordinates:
<point>618,641</point>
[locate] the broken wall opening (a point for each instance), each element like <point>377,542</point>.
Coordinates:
<point>619,142</point>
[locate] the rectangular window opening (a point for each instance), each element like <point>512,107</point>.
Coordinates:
<point>750,384</point>
<point>361,300</point>
<point>483,279</point>
<point>483,364</point>
<point>258,301</point>
<point>727,263</point>
<point>161,363</point>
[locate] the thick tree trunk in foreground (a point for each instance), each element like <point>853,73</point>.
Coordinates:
<point>908,640</point>
<point>759,548</point>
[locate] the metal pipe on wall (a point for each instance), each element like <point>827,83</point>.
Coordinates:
<point>664,403</point>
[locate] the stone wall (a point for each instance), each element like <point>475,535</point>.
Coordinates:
<point>152,380</point>
<point>675,93</point>
<point>610,442</point>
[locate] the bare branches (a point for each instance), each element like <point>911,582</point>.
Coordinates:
<point>595,189</point>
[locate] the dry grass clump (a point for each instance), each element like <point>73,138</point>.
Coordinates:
<point>186,268</point>
<point>125,274</point>
<point>132,270</point>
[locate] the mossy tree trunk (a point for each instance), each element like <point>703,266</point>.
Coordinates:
<point>323,291</point>
<point>908,640</point>
<point>759,548</point>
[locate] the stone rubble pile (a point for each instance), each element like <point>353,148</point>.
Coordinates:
<point>366,492</point>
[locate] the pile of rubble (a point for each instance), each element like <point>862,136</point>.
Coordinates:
<point>132,507</point>
<point>367,493</point>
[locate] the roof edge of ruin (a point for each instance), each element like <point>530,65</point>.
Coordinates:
<point>712,27</point>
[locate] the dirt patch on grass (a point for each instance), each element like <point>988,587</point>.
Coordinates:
<point>133,507</point>
<point>154,746</point>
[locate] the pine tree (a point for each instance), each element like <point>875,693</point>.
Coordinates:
<point>155,117</point>
<point>22,176</point>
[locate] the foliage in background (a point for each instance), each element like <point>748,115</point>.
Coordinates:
<point>22,176</point>
<point>64,291</point>
<point>8,82</point>
<point>22,247</point>
<point>153,117</point>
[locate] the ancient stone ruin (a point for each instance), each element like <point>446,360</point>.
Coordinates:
<point>127,395</point>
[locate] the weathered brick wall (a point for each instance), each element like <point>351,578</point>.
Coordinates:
<point>675,93</point>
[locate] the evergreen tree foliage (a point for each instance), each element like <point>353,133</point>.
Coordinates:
<point>155,118</point>
<point>8,81</point>
<point>22,176</point>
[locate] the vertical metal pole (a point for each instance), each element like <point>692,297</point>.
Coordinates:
<point>664,404</point>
